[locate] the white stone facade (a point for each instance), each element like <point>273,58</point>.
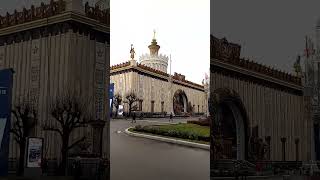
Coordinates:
<point>150,86</point>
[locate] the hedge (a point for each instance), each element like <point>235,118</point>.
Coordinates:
<point>197,133</point>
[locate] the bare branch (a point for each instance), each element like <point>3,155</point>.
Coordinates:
<point>77,142</point>
<point>18,128</point>
<point>53,129</point>
<point>14,131</point>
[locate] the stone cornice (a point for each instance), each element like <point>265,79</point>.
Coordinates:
<point>155,71</point>
<point>119,66</point>
<point>67,16</point>
<point>229,53</point>
<point>247,76</point>
<point>215,62</point>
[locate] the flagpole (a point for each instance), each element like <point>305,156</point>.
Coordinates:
<point>171,86</point>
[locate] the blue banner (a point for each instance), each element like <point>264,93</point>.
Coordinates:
<point>111,94</point>
<point>5,118</point>
<point>111,91</point>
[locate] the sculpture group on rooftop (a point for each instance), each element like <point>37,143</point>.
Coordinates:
<point>48,10</point>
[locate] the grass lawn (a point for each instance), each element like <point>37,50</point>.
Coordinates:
<point>184,131</point>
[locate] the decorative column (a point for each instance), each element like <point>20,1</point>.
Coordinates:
<point>296,141</point>
<point>283,141</point>
<point>97,133</point>
<point>35,78</point>
<point>2,53</point>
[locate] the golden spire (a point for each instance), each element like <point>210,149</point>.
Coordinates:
<point>154,34</point>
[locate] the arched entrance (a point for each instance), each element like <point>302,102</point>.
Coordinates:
<point>180,102</point>
<point>229,125</point>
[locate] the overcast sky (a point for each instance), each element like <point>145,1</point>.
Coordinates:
<point>182,30</point>
<point>271,32</point>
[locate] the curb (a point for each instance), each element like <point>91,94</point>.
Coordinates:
<point>169,140</point>
<point>159,122</point>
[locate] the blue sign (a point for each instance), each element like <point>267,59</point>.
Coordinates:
<point>111,91</point>
<point>5,118</point>
<point>111,94</point>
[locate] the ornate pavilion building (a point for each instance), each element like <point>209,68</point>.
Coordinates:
<point>261,113</point>
<point>53,47</point>
<point>158,91</point>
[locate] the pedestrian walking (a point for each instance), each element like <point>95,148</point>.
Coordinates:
<point>170,117</point>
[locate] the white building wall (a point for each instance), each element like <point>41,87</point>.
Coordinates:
<point>157,90</point>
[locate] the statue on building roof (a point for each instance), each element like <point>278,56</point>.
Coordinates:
<point>297,66</point>
<point>132,52</point>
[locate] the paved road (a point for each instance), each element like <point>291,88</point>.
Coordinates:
<point>134,158</point>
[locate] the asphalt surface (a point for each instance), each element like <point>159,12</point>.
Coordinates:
<point>134,158</point>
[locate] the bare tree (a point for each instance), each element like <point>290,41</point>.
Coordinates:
<point>69,111</point>
<point>117,100</point>
<point>131,98</point>
<point>26,118</point>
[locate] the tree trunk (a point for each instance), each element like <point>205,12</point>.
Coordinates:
<point>64,155</point>
<point>63,164</point>
<point>21,158</point>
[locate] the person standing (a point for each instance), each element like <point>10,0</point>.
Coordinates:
<point>133,118</point>
<point>170,117</point>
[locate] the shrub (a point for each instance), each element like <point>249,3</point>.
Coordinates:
<point>173,131</point>
<point>138,127</point>
<point>201,122</point>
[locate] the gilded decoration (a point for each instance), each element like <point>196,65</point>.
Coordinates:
<point>228,52</point>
